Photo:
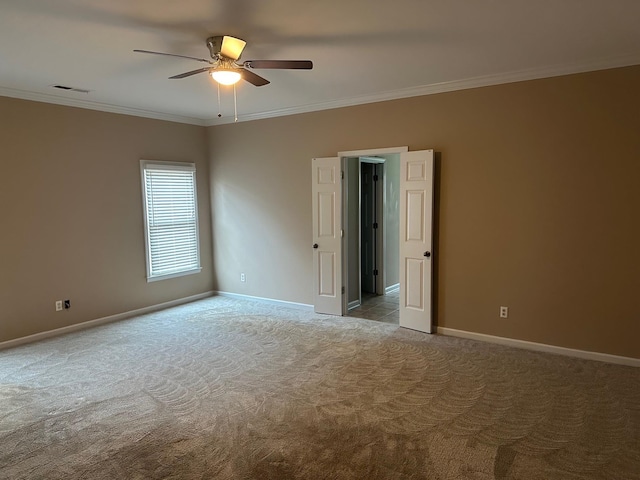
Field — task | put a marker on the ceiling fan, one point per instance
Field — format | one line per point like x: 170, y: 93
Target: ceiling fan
x: 224, y: 67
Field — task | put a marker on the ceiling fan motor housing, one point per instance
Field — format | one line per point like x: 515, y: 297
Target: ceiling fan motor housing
x: 215, y: 45
x: 225, y: 46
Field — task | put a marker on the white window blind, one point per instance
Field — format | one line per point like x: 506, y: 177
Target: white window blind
x: 171, y: 219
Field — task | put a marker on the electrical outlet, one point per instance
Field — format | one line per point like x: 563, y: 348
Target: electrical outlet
x: 243, y: 278
x: 504, y: 312
x: 58, y: 305
x: 67, y: 304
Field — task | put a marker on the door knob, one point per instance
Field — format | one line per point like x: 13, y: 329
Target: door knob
x: 427, y: 254
x: 315, y: 245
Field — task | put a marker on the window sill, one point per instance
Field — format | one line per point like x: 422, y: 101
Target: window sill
x: 155, y: 278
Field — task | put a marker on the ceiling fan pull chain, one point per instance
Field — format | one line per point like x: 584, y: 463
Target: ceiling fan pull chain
x: 235, y: 103
x: 219, y: 112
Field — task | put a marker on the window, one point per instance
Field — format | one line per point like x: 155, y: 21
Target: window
x: 171, y: 219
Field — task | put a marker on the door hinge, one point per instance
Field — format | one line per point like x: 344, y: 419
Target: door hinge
x: 342, y: 290
x: 375, y: 225
x: 375, y: 178
x: 342, y: 174
x: 375, y: 272
x: 341, y: 233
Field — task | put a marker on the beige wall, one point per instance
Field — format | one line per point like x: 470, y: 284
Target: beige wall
x: 538, y: 203
x: 537, y: 207
x: 72, y: 221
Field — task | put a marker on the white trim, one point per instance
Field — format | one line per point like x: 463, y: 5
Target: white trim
x: 443, y: 87
x: 101, y: 107
x: 541, y: 347
x: 392, y: 289
x: 372, y: 152
x: 369, y: 159
x: 281, y: 303
x: 101, y: 321
x: 155, y: 278
x: 353, y: 304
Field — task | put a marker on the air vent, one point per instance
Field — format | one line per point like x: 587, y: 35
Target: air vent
x: 73, y: 89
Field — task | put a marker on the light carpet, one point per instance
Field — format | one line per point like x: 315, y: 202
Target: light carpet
x: 234, y: 389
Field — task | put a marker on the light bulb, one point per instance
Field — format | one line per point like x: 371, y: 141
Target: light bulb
x: 226, y: 77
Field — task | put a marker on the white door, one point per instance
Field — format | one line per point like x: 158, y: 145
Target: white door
x: 416, y: 230
x: 327, y: 235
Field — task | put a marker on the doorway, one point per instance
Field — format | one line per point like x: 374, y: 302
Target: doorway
x: 371, y: 226
x: 332, y: 241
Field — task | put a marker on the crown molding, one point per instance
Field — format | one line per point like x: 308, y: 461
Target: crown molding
x: 102, y: 107
x: 442, y: 87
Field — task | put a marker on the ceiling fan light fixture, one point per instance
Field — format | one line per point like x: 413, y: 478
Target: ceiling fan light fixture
x: 232, y: 47
x: 226, y: 77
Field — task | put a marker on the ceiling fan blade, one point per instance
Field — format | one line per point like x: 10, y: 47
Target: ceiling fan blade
x: 287, y: 64
x: 174, y: 55
x: 254, y: 79
x: 188, y: 74
x: 232, y: 47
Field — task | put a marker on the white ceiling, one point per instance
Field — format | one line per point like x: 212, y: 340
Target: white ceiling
x: 363, y: 50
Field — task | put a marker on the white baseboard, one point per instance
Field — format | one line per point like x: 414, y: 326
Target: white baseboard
x: 101, y: 321
x: 392, y: 289
x: 541, y: 347
x: 281, y: 303
x: 354, y: 304
x: 511, y: 342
